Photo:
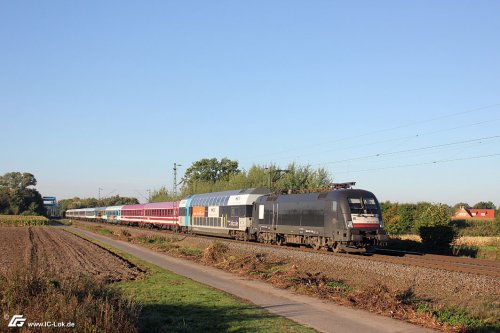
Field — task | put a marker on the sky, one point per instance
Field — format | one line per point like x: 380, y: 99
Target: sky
x: 402, y: 97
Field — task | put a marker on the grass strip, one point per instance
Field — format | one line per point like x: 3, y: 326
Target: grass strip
x: 173, y: 303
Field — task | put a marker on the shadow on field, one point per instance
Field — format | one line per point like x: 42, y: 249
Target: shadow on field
x: 196, y: 318
x: 404, y: 245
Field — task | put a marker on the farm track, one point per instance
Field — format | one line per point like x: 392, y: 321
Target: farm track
x: 442, y: 262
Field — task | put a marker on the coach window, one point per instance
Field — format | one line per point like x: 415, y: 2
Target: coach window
x: 234, y: 211
x: 249, y: 211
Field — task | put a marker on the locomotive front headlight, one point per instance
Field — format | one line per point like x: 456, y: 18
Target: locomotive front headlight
x: 349, y: 224
x: 381, y: 223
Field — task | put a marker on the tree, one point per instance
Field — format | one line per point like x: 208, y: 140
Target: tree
x: 434, y: 215
x: 461, y: 204
x: 407, y: 217
x: 76, y: 202
x: 162, y: 195
x: 391, y: 217
x: 301, y: 177
x: 17, y: 180
x: 16, y: 197
x: 210, y: 170
x: 484, y: 205
x: 434, y: 228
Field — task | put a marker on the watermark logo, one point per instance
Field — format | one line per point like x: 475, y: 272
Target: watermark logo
x: 17, y: 321
x: 20, y: 321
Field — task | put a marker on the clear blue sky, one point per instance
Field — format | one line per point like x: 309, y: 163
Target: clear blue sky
x: 111, y: 93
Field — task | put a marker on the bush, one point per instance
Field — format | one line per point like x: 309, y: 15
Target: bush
x: 437, y: 238
x: 215, y: 252
x: 433, y: 216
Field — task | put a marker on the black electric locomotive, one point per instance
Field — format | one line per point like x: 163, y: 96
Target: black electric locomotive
x: 336, y: 219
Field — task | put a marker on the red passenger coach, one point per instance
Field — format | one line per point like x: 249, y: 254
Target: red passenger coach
x: 132, y: 214
x: 162, y: 214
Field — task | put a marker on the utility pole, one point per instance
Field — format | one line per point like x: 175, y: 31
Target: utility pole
x: 149, y: 195
x: 275, y: 175
x: 99, y: 195
x: 175, y: 178
x: 269, y: 177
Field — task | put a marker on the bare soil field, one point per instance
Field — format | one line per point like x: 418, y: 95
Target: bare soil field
x: 61, y: 252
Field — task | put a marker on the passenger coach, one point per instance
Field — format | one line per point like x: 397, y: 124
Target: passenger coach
x: 227, y: 213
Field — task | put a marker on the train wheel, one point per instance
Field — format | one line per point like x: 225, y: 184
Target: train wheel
x: 316, y: 243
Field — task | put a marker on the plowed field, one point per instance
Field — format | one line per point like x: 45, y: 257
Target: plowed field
x: 61, y: 252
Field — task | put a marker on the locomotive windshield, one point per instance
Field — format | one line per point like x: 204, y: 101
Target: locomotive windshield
x: 363, y: 205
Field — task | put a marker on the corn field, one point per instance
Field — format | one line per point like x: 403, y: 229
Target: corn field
x: 22, y: 221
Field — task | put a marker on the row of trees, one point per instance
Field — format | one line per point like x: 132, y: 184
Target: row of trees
x: 402, y: 218
x: 479, y: 205
x: 17, y: 195
x: 212, y: 175
x: 76, y: 203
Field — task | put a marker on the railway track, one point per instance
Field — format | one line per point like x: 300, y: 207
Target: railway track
x: 448, y: 263
x: 457, y: 264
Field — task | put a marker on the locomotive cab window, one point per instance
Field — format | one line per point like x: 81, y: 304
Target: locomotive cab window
x: 370, y: 205
x: 355, y: 205
x: 363, y: 206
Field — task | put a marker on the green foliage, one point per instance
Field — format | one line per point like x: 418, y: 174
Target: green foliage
x: 210, y: 170
x: 484, y: 205
x: 433, y: 216
x: 483, y: 228
x: 301, y: 177
x: 17, y: 180
x: 162, y: 195
x: 76, y: 202
x: 339, y: 286
x: 391, y: 217
x: 459, y: 318
x: 203, y: 177
x: 461, y: 204
x: 433, y: 225
x: 401, y: 218
x: 437, y: 238
x: 15, y: 196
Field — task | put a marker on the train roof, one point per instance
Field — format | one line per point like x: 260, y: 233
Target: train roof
x: 224, y: 198
x: 138, y: 206
x: 161, y: 205
x: 332, y: 195
x: 109, y: 208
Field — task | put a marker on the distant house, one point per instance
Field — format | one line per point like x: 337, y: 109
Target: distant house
x: 473, y: 214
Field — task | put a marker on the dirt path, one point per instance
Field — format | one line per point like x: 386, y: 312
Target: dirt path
x: 61, y: 252
x: 325, y: 317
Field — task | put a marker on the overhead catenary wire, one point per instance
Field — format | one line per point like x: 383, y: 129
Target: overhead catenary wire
x: 403, y: 139
x: 409, y: 150
x: 409, y: 124
x: 420, y: 164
